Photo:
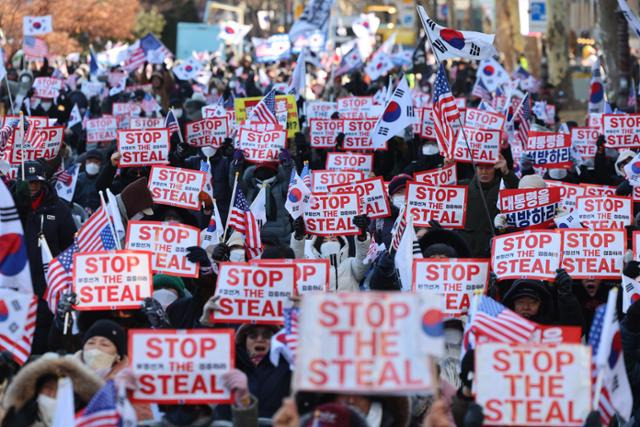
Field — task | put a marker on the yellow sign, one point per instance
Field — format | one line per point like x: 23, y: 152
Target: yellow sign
x: 286, y: 111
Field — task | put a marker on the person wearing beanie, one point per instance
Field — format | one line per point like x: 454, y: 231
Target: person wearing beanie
x: 104, y: 348
x: 167, y: 289
x: 86, y: 194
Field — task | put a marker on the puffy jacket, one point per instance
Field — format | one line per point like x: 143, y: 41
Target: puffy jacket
x: 350, y: 271
x: 86, y: 194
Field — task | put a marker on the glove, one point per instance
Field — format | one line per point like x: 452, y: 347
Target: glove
x: 155, y: 314
x: 197, y: 254
x: 65, y: 305
x: 22, y: 196
x: 624, y: 188
x: 298, y: 228
x: 632, y: 269
x: 593, y: 420
x: 236, y: 381
x: 435, y: 225
x: 220, y: 252
x: 563, y: 281
x: 474, y: 416
x: 632, y: 319
x: 182, y: 149
x: 340, y: 138
x: 362, y: 222
x: 500, y: 221
x: 284, y: 157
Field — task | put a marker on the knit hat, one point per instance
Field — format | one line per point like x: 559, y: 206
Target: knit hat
x: 526, y: 288
x: 398, y: 183
x: 441, y: 249
x: 333, y: 414
x: 94, y: 154
x: 110, y: 330
x: 164, y: 281
x: 532, y: 181
x: 137, y: 198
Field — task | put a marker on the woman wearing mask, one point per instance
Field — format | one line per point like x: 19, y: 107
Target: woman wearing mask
x: 86, y: 194
x: 104, y: 348
x: 30, y: 399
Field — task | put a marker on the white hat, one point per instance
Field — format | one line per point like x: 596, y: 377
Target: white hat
x: 532, y: 181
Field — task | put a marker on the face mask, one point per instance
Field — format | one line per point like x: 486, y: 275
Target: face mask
x: 329, y: 248
x: 429, y: 149
x: 557, y: 173
x: 208, y: 151
x: 46, y: 106
x: 236, y: 255
x: 165, y: 297
x: 46, y: 408
x: 98, y: 360
x: 92, y: 168
x: 177, y: 112
x: 398, y: 200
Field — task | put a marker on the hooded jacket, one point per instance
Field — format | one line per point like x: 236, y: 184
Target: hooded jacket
x: 350, y: 270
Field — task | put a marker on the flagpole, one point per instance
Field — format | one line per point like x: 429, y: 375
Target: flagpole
x: 111, y: 226
x: 233, y: 198
x: 422, y: 12
x: 21, y: 129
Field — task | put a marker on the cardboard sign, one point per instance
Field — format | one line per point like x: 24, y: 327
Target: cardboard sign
x: 209, y: 132
x: 357, y: 107
x: 593, y: 254
x: 445, y: 175
x: 47, y: 87
x: 176, y: 186
x: 598, y: 190
x: 604, y: 212
x: 350, y: 161
x: 549, y: 150
x: 365, y: 342
x: 483, y: 146
x: 532, y: 254
x: 552, y: 334
x: 372, y: 195
x: 183, y: 366
x: 125, y: 109
x: 36, y: 121
x: 332, y: 214
x: 312, y: 275
x: 38, y: 143
x: 481, y: 119
x: 114, y: 280
x: 324, y: 132
x: 321, y: 180
x: 251, y: 293
x: 357, y: 134
x: 143, y: 147
x: 167, y: 243
x: 455, y: 279
x: 427, y: 129
x: 621, y: 130
x: 446, y: 204
x: 320, y: 109
x: 529, y: 207
x: 286, y: 111
x: 584, y: 142
x: 146, y: 122
x: 261, y: 146
x: 101, y: 129
x: 533, y: 385
x: 568, y: 193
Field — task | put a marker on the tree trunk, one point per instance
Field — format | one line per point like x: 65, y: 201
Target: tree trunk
x: 558, y: 46
x: 610, y: 46
x: 508, y: 39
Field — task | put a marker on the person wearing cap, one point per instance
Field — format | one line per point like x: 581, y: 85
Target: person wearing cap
x: 41, y: 213
x: 478, y: 225
x: 86, y: 194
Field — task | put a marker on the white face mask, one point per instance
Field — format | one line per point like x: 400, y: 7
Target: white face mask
x: 329, y: 248
x: 46, y: 106
x: 92, y: 168
x: 99, y: 361
x: 398, y: 200
x: 208, y: 151
x: 46, y: 408
x: 429, y: 149
x: 236, y: 255
x: 177, y: 112
x: 558, y: 173
x: 165, y: 297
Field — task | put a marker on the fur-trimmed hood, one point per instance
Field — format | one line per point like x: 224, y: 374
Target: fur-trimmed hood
x: 22, y: 388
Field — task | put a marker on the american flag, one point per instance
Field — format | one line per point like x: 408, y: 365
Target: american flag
x: 291, y: 327
x: 101, y: 410
x: 306, y: 175
x: 34, y: 47
x: 136, y: 58
x: 445, y: 110
x: 605, y: 406
x: 498, y: 323
x: 265, y: 111
x: 243, y: 221
x: 172, y: 124
x: 59, y: 276
x: 480, y: 90
x: 524, y: 115
x: 95, y: 234
x: 65, y: 176
x: 5, y: 134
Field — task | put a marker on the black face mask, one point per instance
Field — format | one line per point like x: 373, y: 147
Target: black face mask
x: 265, y: 173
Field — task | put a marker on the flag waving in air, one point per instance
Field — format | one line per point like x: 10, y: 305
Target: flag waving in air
x: 397, y: 115
x: 297, y: 196
x: 36, y: 25
x: 449, y: 43
x: 265, y: 111
x: 445, y: 112
x: 596, y: 90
